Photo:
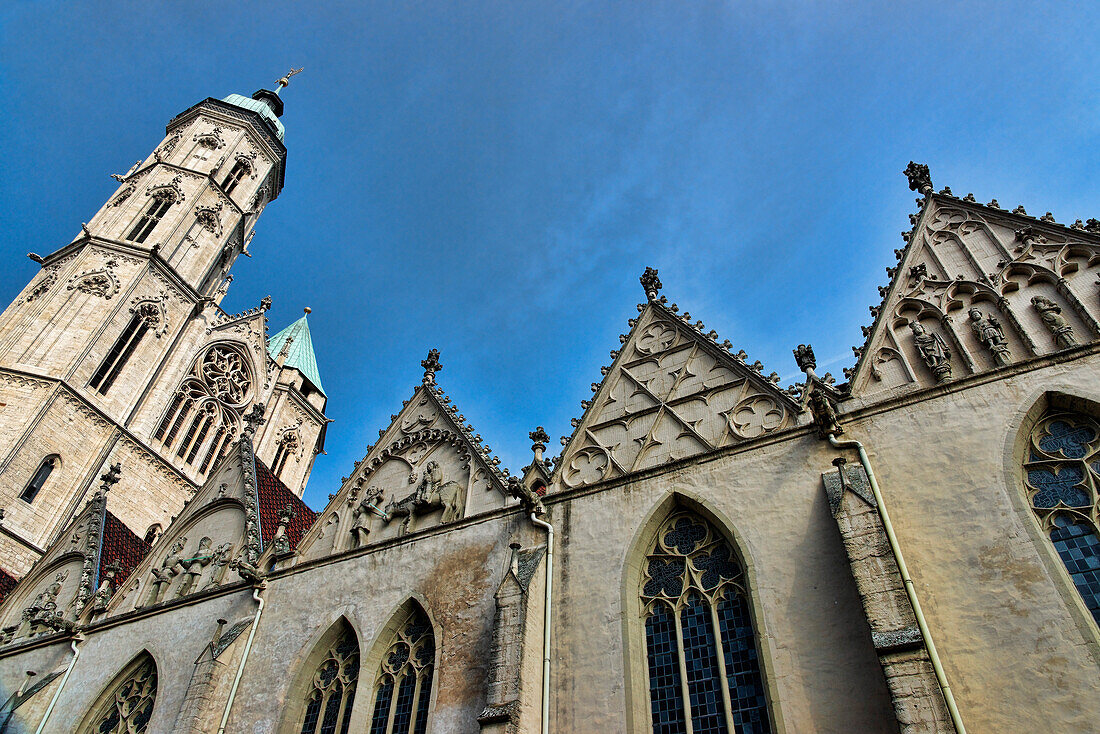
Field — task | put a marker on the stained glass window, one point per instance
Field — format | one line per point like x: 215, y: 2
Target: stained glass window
x: 332, y: 691
x: 700, y: 643
x: 403, y: 690
x: 128, y: 705
x: 1061, y: 477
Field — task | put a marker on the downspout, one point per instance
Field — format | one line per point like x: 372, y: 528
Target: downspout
x: 546, y: 617
x: 75, y: 645
x: 244, y: 657
x: 941, y: 677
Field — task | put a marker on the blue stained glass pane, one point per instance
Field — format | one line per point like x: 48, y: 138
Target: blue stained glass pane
x: 1071, y: 440
x: 666, y: 575
x: 665, y: 701
x: 381, y: 708
x: 1079, y: 548
x: 1058, y: 487
x: 313, y: 712
x: 422, y: 705
x: 717, y: 565
x: 349, y: 698
x: 404, y: 710
x: 701, y: 659
x: 747, y: 698
x: 685, y: 535
x: 332, y: 709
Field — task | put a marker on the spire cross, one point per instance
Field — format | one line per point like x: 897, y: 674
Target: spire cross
x: 285, y: 81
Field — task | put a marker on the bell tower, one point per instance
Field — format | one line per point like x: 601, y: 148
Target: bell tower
x: 102, y: 341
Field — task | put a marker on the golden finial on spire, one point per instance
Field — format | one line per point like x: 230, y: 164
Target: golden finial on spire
x: 285, y: 81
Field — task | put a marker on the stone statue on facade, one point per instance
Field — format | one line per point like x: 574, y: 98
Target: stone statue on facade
x: 431, y: 493
x: 824, y: 413
x: 1051, y: 314
x: 193, y: 567
x: 217, y: 565
x: 361, y: 515
x: 169, y: 567
x: 106, y: 589
x: 933, y: 350
x: 992, y: 336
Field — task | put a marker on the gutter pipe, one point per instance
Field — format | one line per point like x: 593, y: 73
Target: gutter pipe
x: 75, y: 645
x: 244, y: 658
x: 546, y: 618
x: 929, y: 645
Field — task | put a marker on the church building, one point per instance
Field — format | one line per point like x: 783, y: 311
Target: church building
x: 913, y: 550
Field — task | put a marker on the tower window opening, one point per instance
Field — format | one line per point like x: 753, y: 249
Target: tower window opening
x: 39, y: 479
x: 120, y: 354
x: 240, y: 170
x: 148, y: 221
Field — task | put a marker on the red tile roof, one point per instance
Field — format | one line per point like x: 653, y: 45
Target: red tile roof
x: 120, y: 543
x: 7, y: 583
x: 274, y: 496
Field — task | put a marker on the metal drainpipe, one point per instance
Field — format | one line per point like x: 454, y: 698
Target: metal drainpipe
x: 244, y: 657
x: 546, y: 617
x: 75, y: 645
x: 934, y: 656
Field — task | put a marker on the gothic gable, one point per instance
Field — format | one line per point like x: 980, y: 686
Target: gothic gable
x: 671, y: 392
x: 977, y: 288
x: 427, y: 468
x: 249, y: 327
x: 215, y: 540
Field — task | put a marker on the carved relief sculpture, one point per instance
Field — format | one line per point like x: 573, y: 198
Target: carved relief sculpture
x: 992, y: 336
x: 163, y: 576
x: 1051, y: 314
x: 361, y: 515
x: 933, y: 350
x: 194, y: 566
x: 217, y: 565
x: 431, y: 493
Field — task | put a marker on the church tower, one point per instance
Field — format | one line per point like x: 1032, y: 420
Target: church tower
x: 118, y: 350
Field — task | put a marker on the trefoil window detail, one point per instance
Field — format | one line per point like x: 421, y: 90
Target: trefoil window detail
x: 1061, y: 476
x: 702, y: 660
x: 403, y: 688
x: 39, y: 479
x: 128, y: 706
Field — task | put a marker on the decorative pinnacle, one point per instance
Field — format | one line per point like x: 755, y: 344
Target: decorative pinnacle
x: 540, y: 437
x: 286, y: 514
x: 265, y: 303
x: 111, y: 476
x: 285, y: 81
x: 253, y: 419
x: 651, y: 283
x: 805, y: 358
x: 919, y: 178
x: 431, y: 365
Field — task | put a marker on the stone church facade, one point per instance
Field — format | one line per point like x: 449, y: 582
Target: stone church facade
x: 913, y: 550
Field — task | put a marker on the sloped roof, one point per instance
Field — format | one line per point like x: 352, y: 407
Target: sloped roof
x: 7, y: 583
x: 274, y: 496
x: 299, y: 354
x: 122, y: 545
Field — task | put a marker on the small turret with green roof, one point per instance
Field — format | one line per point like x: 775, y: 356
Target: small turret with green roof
x: 293, y: 347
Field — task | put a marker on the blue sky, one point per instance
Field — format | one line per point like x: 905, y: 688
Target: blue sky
x: 490, y: 178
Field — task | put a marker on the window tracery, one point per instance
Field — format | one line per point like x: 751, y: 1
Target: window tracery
x: 1061, y: 476
x: 701, y: 653
x: 208, y: 405
x: 128, y: 707
x: 332, y: 691
x: 403, y: 689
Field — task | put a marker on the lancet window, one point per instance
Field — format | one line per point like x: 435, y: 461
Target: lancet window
x: 240, y: 170
x: 702, y: 660
x: 128, y: 705
x: 39, y: 479
x: 145, y: 315
x: 288, y: 446
x: 204, y: 416
x: 403, y: 688
x: 1062, y: 475
x: 150, y: 218
x: 332, y: 690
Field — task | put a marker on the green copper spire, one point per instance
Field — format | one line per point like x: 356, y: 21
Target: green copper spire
x: 298, y: 343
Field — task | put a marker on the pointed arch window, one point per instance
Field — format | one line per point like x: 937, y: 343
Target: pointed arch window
x: 240, y: 169
x: 403, y: 687
x: 1062, y: 476
x: 127, y: 705
x: 151, y: 217
x: 34, y: 486
x: 123, y: 349
x: 332, y: 689
x: 701, y: 654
